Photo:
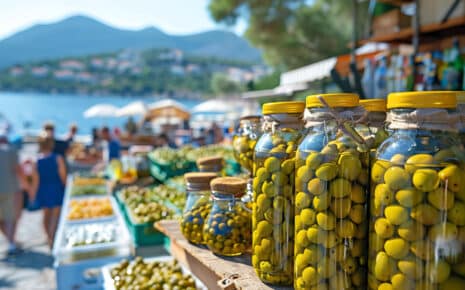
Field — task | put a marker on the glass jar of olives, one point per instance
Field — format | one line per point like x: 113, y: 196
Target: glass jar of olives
x: 211, y: 164
x: 228, y: 230
x: 273, y: 190
x: 244, y: 141
x: 376, y: 119
x: 461, y: 112
x: 197, y: 206
x: 331, y: 185
x: 417, y: 225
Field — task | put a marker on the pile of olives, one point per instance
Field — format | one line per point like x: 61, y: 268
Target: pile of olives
x: 330, y: 223
x: 228, y: 230
x: 151, y: 212
x: 273, y: 212
x: 151, y: 275
x: 194, y: 218
x: 243, y: 151
x: 417, y: 232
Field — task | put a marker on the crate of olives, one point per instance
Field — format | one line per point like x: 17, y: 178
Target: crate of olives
x: 141, y: 218
x: 154, y: 273
x: 94, y: 240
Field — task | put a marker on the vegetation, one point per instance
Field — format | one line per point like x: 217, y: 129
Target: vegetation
x: 154, y: 74
x: 292, y: 33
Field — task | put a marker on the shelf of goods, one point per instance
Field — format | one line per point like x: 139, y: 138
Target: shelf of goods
x: 215, y: 272
x: 90, y: 234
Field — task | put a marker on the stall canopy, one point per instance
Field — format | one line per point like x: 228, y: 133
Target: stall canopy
x: 101, y: 110
x: 300, y: 79
x: 213, y: 107
x: 232, y: 108
x: 167, y: 109
x: 137, y: 108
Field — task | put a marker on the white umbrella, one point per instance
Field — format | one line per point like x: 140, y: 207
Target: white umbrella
x: 101, y: 110
x: 136, y: 108
x: 213, y: 106
x: 167, y: 103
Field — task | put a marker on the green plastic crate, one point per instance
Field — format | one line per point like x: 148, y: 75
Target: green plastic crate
x: 144, y: 234
x: 162, y: 172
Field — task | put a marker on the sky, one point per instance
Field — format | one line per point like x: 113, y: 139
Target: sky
x: 171, y: 16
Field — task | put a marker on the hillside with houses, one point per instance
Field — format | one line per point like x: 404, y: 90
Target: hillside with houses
x: 129, y: 72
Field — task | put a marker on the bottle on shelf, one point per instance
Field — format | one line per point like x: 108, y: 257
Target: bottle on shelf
x: 367, y: 79
x: 380, y: 90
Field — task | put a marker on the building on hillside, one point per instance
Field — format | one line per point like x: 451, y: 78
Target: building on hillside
x: 177, y: 70
x: 85, y: 77
x: 175, y: 55
x: 16, y: 71
x: 64, y: 74
x: 72, y: 64
x: 39, y: 71
x: 97, y: 63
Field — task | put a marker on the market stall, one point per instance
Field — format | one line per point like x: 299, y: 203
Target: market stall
x: 90, y: 234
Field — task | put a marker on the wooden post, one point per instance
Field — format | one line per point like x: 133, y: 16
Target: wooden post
x: 416, y: 36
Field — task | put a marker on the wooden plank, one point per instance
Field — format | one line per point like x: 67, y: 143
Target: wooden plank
x: 211, y: 268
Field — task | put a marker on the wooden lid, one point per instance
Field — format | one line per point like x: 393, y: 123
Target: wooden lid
x: 229, y: 185
x: 200, y: 177
x: 210, y: 160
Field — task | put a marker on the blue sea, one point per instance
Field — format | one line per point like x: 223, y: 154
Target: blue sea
x: 26, y: 112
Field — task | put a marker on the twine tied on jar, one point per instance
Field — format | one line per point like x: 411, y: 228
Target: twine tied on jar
x: 274, y: 121
x: 345, y: 119
x: 425, y: 119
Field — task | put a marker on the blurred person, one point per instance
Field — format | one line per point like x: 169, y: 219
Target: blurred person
x: 10, y: 192
x: 217, y: 133
x: 61, y: 146
x: 111, y: 146
x: 73, y: 129
x: 48, y: 185
x: 130, y: 126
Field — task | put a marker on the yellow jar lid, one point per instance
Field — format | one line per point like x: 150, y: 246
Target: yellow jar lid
x: 333, y: 100
x: 422, y: 100
x: 283, y: 108
x: 374, y: 105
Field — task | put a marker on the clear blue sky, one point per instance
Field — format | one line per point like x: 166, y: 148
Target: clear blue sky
x: 172, y: 16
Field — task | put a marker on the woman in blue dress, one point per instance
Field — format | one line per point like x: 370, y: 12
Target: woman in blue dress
x: 48, y: 185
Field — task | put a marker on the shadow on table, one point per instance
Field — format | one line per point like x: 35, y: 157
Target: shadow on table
x: 29, y: 259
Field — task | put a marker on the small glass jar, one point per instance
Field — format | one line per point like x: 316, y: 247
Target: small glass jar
x: 244, y: 141
x: 273, y: 192
x: 417, y: 224
x: 211, y: 164
x: 228, y: 230
x: 461, y: 112
x: 376, y: 120
x: 331, y: 184
x: 197, y: 206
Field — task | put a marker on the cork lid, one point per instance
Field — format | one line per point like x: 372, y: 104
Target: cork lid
x: 210, y: 161
x: 229, y: 185
x: 200, y: 177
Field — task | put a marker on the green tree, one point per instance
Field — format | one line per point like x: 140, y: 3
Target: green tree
x: 222, y: 85
x: 292, y: 33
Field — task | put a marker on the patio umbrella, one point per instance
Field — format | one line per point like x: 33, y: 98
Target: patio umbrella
x: 167, y: 109
x: 213, y: 107
x: 101, y: 110
x: 137, y: 108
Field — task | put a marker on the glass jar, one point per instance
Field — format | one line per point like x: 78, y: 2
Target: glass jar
x: 211, y: 164
x: 244, y: 141
x: 228, y: 230
x: 461, y: 111
x: 331, y: 186
x: 417, y: 224
x: 273, y: 190
x: 197, y: 206
x: 376, y: 120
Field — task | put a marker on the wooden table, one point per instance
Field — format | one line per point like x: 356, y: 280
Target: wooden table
x: 211, y: 269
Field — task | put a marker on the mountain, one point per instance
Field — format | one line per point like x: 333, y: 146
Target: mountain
x: 81, y: 35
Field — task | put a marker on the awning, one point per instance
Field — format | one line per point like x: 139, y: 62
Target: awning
x: 297, y: 80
